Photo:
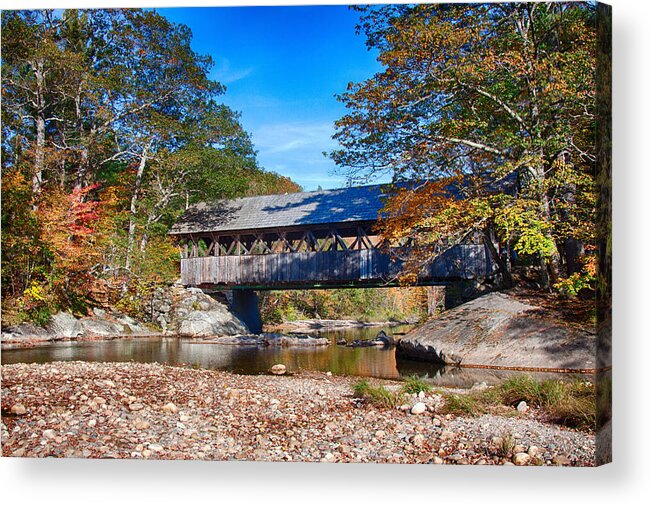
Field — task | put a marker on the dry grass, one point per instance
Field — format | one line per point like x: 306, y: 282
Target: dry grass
x: 570, y: 403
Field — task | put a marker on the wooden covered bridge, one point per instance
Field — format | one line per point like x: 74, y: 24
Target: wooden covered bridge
x: 322, y: 239
x: 303, y: 240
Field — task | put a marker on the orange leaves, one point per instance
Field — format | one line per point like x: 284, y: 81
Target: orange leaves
x: 69, y: 218
x: 407, y: 208
x: 69, y: 223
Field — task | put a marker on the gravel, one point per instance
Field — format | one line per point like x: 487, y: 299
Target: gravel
x: 152, y: 411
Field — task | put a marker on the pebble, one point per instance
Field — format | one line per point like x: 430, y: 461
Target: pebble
x: 418, y: 408
x: 18, y: 409
x: 560, y: 460
x: 533, y: 451
x: 522, y: 407
x: 141, y: 424
x: 225, y: 416
x: 418, y: 440
x: 170, y: 407
x: 278, y: 369
x: 521, y: 458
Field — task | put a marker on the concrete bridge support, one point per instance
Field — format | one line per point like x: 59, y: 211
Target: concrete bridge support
x: 245, y: 306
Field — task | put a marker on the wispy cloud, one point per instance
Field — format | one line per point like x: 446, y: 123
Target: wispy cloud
x: 227, y: 75
x: 287, y: 137
x: 295, y: 149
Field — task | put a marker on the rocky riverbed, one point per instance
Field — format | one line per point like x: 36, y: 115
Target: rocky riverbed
x: 316, y: 325
x: 151, y: 411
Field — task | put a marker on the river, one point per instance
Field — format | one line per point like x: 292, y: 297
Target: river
x: 372, y: 361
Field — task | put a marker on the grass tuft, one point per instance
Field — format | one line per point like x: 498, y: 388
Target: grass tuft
x: 506, y: 445
x: 415, y: 385
x: 464, y: 404
x: 570, y: 403
x: 377, y: 395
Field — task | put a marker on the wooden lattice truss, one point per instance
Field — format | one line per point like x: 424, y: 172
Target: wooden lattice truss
x: 320, y: 239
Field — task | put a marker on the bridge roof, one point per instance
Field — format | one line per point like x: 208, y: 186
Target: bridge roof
x: 357, y: 203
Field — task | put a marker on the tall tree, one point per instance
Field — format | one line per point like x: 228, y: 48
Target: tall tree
x: 110, y: 111
x: 473, y: 96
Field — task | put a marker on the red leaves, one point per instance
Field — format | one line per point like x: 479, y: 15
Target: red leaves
x: 82, y: 214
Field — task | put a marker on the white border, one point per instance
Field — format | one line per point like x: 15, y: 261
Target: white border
x: 626, y: 481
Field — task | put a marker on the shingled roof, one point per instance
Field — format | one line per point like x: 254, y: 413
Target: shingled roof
x: 358, y: 203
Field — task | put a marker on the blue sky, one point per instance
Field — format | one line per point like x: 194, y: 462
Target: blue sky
x: 282, y: 67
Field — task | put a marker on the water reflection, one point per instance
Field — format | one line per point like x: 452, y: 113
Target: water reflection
x: 372, y: 361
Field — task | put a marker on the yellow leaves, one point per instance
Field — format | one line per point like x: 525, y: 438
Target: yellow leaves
x: 34, y: 292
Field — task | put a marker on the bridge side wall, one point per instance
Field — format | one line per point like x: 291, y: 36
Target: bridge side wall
x: 310, y: 268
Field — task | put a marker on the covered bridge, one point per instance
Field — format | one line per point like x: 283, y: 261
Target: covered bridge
x: 321, y: 239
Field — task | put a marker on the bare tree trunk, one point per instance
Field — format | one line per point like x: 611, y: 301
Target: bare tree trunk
x: 81, y: 178
x: 502, y: 265
x: 133, y: 207
x: 39, y: 158
x: 144, y: 241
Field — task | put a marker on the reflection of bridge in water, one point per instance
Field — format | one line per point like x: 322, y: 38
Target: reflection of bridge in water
x: 321, y: 239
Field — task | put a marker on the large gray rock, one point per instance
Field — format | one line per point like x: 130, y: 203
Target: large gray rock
x: 195, y: 313
x: 101, y: 328
x: 64, y: 324
x: 211, y: 323
x: 25, y: 332
x: 501, y: 329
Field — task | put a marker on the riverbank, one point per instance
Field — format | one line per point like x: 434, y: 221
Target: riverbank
x: 130, y: 410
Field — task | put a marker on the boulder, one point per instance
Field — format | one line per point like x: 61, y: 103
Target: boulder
x: 211, y: 323
x: 64, y: 325
x: 25, y: 332
x: 385, y: 339
x: 101, y: 328
x: 501, y: 329
x: 194, y: 313
x: 278, y: 369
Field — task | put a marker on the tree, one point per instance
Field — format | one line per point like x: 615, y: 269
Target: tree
x: 474, y: 96
x: 109, y: 110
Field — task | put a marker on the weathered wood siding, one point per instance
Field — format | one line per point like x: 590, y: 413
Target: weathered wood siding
x: 308, y: 268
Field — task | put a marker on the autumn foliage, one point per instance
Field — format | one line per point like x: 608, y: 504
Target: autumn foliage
x: 99, y: 160
x: 489, y: 111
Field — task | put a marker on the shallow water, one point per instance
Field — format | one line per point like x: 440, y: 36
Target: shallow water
x: 372, y: 361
